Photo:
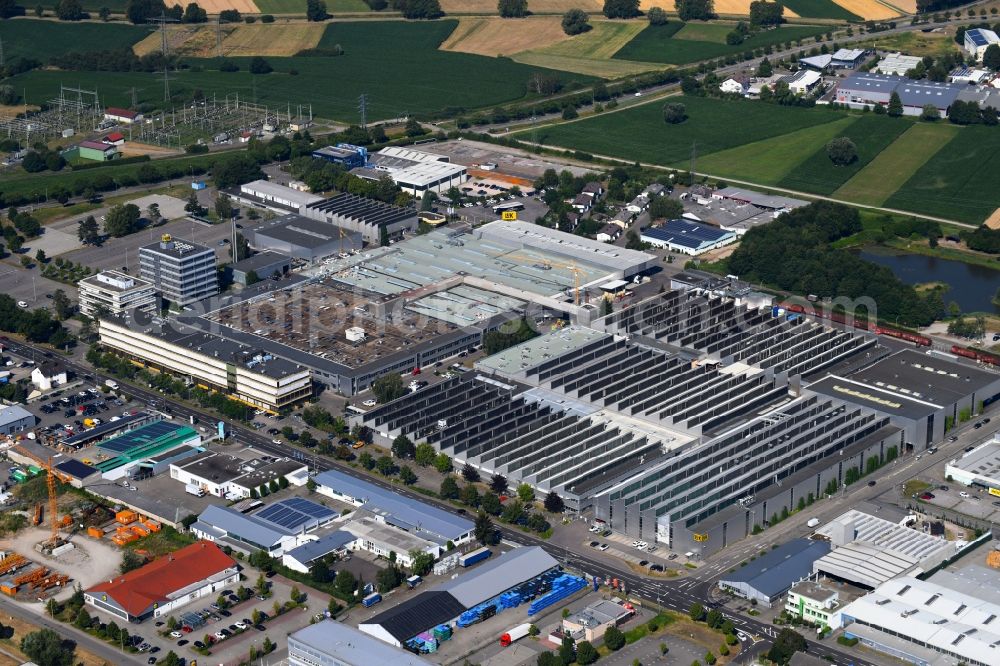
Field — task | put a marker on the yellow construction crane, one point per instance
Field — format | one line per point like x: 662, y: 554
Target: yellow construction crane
x: 546, y: 261
x: 50, y: 481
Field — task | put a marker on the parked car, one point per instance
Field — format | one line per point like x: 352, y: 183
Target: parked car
x: 602, y: 547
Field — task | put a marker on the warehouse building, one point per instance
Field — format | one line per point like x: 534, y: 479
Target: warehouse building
x: 446, y: 602
x: 848, y: 58
x: 165, y: 584
x: 897, y: 64
x: 365, y: 216
x: 920, y: 393
x: 183, y: 272
x: 346, y: 155
x: 770, y: 576
x: 303, y: 238
x: 980, y: 467
x: 948, y: 618
x: 233, y: 477
x: 260, y: 266
x: 276, y: 529
x: 128, y: 454
x: 115, y: 293
x: 244, y: 373
x: 414, y: 171
x: 687, y: 237
x: 303, y: 557
x: 868, y: 550
x: 279, y: 198
x: 330, y: 643
x: 15, y: 419
x: 977, y: 40
x: 867, y: 89
x: 419, y: 518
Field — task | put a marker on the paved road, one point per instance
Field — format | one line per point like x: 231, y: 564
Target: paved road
x: 675, y: 594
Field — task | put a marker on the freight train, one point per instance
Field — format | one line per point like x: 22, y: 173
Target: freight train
x: 863, y: 324
x: 976, y: 354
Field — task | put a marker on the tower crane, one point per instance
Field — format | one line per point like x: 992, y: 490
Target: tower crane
x: 50, y: 481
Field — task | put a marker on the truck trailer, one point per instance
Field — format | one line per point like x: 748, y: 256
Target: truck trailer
x: 517, y: 633
x: 479, y: 555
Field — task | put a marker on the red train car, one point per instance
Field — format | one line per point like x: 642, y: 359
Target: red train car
x: 976, y: 354
x: 862, y: 324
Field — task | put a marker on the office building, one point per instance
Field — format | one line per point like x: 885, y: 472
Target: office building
x: 115, y: 293
x: 183, y: 272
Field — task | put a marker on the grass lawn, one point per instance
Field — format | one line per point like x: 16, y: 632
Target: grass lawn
x: 825, y: 9
x: 23, y: 38
x: 396, y: 79
x: 640, y: 134
x: 918, y: 44
x: 335, y: 6
x: 959, y: 181
x: 885, y: 174
x: 770, y: 160
x: 667, y: 44
x: 870, y: 133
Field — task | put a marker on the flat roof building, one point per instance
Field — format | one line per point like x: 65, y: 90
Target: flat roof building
x: 981, y: 467
x: 227, y: 475
x: 767, y: 578
x: 166, y: 583
x: 300, y: 237
x: 344, y: 154
x: 848, y: 58
x: 868, y: 89
x: 590, y: 623
x: 182, y: 271
x: 302, y: 558
x: 330, y: 643
x: 273, y: 196
x: 687, y: 237
x: 240, y: 371
x: 897, y: 64
x: 128, y: 451
x: 261, y: 265
x: 244, y: 532
x: 414, y: 171
x: 116, y: 293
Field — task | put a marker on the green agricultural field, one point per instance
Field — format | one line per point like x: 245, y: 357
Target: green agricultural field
x: 769, y: 161
x: 885, y: 174
x: 342, y: 6
x: 824, y: 9
x: 29, y: 38
x: 669, y: 45
x: 289, y: 6
x: 959, y: 182
x: 395, y: 79
x: 94, y: 6
x: 713, y: 125
x: 871, y: 134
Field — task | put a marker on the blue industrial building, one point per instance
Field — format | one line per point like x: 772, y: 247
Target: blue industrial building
x: 687, y: 237
x: 768, y: 577
x: 347, y: 155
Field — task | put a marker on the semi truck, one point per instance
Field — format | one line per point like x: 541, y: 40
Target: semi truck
x: 371, y: 600
x: 517, y: 633
x: 194, y: 489
x: 479, y: 555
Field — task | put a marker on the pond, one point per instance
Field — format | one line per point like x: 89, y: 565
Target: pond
x: 971, y: 286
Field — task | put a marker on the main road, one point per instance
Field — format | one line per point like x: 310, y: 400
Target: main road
x: 677, y: 594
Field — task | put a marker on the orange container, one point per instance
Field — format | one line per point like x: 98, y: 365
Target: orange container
x: 140, y: 530
x: 8, y: 588
x: 152, y: 525
x: 126, y: 516
x: 95, y: 532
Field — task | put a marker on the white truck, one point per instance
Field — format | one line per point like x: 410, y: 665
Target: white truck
x: 194, y: 489
x: 517, y: 633
x: 813, y: 522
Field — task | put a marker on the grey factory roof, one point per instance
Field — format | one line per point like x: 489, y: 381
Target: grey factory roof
x: 983, y: 462
x: 819, y: 61
x: 686, y: 233
x: 176, y: 248
x: 465, y: 305
x: 868, y: 82
x: 880, y: 398
x: 499, y: 575
x: 306, y: 232
x: 268, y: 190
x: 775, y: 572
x: 432, y: 257
x: 919, y: 93
x: 848, y: 55
x: 175, y: 332
x: 931, y: 378
x: 261, y: 260
x: 409, y: 169
x: 349, y: 646
x: 417, y: 614
x: 545, y: 239
x: 880, y: 549
x: 534, y: 352
x: 760, y: 199
x: 369, y: 211
x: 14, y: 413
x: 328, y: 543
x: 399, y: 510
x: 956, y: 622
x: 897, y: 63
x: 222, y: 520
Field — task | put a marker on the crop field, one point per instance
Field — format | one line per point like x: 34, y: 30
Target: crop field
x: 713, y: 125
x: 871, y: 134
x: 894, y: 166
x: 485, y: 7
x: 591, y: 53
x: 495, y: 36
x: 338, y: 6
x: 273, y: 39
x: 959, y: 181
x: 23, y: 38
x: 770, y: 160
x: 216, y: 6
x: 822, y: 9
x: 394, y: 79
x: 871, y: 10
x: 667, y: 44
x: 286, y: 6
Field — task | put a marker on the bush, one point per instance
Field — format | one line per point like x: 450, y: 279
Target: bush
x: 575, y: 22
x: 266, y: 18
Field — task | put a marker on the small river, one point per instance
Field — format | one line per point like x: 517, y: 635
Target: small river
x: 971, y: 286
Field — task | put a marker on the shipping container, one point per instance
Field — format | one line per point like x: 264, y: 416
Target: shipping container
x: 475, y: 556
x: 371, y: 600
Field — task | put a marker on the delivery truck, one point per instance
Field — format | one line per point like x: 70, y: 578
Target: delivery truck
x: 517, y: 633
x: 194, y: 489
x: 371, y: 600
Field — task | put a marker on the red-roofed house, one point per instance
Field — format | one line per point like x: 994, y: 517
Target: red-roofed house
x: 122, y: 115
x: 166, y: 583
x: 114, y: 139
